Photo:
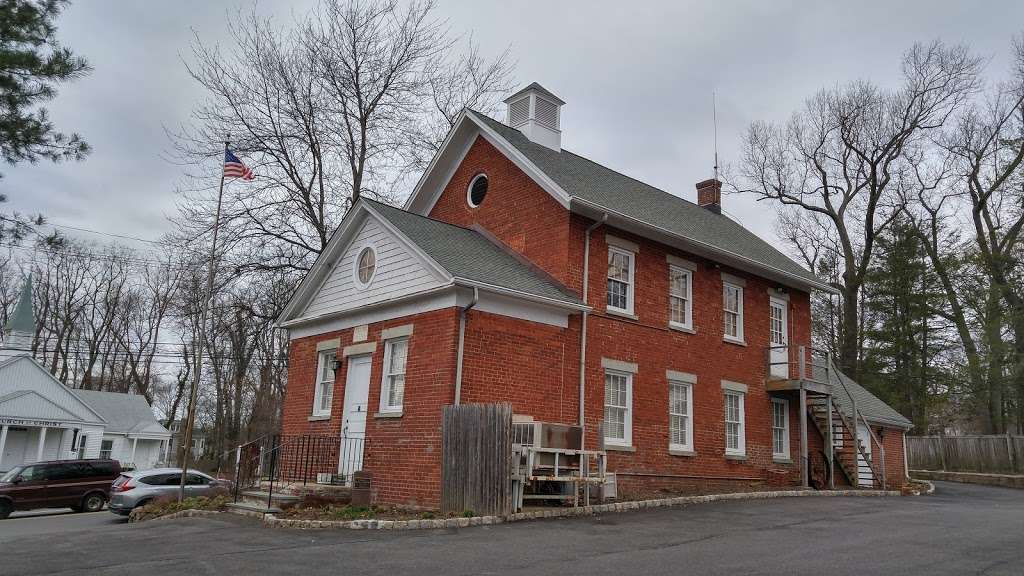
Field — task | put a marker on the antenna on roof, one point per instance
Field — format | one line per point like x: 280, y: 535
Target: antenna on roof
x: 714, y: 116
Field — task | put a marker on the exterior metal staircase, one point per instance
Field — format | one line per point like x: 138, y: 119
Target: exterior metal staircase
x: 812, y: 372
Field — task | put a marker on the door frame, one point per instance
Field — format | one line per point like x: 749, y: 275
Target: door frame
x: 780, y: 370
x: 343, y: 456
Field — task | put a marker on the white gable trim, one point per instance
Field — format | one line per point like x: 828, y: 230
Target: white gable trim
x: 332, y: 254
x: 426, y: 193
x: 99, y: 420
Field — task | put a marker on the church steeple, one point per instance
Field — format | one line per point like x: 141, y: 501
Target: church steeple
x: 21, y: 326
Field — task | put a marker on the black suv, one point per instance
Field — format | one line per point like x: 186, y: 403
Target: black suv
x: 82, y: 485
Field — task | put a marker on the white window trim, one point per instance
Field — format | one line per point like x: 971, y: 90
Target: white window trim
x: 741, y: 443
x: 630, y: 286
x: 688, y: 447
x: 359, y: 284
x: 383, y: 407
x: 739, y: 338
x: 784, y: 455
x: 469, y: 189
x: 322, y: 357
x: 688, y: 325
x: 627, y: 429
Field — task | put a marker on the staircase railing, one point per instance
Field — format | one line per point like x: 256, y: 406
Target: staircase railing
x: 858, y: 417
x: 275, y: 459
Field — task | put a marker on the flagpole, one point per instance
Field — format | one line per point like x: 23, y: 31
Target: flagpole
x: 201, y: 344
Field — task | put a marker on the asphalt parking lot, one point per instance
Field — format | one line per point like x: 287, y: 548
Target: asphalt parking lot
x: 962, y: 529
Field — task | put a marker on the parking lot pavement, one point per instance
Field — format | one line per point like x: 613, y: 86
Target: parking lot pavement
x: 54, y: 521
x: 962, y: 529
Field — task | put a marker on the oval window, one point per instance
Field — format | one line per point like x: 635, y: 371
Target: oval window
x: 366, y: 265
x: 477, y: 190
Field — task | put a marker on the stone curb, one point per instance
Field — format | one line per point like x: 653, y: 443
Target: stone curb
x: 433, y: 524
x: 181, y: 514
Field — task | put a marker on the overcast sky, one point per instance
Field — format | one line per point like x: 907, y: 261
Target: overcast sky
x: 637, y: 78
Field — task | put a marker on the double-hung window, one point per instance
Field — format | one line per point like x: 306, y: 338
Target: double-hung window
x: 680, y: 301
x: 735, y: 443
x: 620, y: 280
x: 618, y: 412
x: 780, y: 428
x: 323, y: 395
x: 392, y: 389
x: 680, y: 415
x: 106, y: 449
x: 732, y: 307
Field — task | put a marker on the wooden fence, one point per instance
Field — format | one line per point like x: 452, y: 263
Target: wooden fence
x: 476, y: 459
x: 990, y: 454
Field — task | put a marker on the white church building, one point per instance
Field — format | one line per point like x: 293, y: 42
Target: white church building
x: 42, y: 419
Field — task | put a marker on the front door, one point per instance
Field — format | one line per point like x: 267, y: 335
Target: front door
x: 778, y: 338
x: 353, y: 424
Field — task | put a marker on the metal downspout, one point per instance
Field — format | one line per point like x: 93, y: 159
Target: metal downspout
x: 583, y: 320
x: 462, y: 344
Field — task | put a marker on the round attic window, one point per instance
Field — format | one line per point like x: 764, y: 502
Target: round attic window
x: 366, y: 265
x: 477, y: 190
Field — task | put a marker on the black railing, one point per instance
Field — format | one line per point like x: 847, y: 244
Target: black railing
x: 295, y: 459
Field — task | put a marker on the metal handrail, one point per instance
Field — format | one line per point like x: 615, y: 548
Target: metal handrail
x: 856, y: 436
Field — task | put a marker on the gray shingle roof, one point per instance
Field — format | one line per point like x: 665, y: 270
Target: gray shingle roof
x: 124, y: 413
x: 467, y: 254
x: 538, y: 88
x: 873, y: 408
x: 604, y: 187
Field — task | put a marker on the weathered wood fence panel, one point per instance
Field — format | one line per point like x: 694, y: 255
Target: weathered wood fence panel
x: 995, y: 454
x: 476, y: 459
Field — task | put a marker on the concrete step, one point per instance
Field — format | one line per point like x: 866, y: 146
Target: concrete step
x: 251, y: 509
x: 261, y: 495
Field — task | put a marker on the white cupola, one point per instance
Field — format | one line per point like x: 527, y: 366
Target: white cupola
x: 536, y: 113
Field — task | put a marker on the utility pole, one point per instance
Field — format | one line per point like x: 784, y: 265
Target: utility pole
x: 201, y: 344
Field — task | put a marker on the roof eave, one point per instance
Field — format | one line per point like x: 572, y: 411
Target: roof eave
x: 564, y: 304
x: 711, y: 251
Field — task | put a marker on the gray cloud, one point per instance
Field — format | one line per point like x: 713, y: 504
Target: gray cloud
x: 637, y: 78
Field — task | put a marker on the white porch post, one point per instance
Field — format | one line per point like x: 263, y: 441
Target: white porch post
x: 42, y: 444
x: 135, y: 444
x: 3, y: 442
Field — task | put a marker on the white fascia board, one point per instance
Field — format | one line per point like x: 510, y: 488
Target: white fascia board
x: 522, y: 295
x: 455, y: 147
x: 620, y: 220
x: 335, y: 249
x: 425, y: 301
x: 322, y: 266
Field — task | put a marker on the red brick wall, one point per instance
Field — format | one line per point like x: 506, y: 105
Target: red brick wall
x: 649, y: 343
x: 402, y: 453
x: 892, y: 439
x: 516, y: 210
x: 533, y: 366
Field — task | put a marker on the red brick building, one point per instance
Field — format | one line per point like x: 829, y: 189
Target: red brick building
x: 520, y: 272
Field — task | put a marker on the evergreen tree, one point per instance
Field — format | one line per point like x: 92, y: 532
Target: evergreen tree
x: 32, y: 63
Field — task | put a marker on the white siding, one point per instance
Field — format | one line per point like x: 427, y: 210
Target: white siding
x: 52, y: 400
x: 399, y: 273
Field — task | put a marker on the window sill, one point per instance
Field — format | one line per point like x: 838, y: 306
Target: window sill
x: 679, y: 328
x: 781, y: 460
x: 735, y: 341
x: 319, y: 418
x: 737, y: 457
x: 678, y: 452
x: 621, y: 314
x: 388, y: 415
x: 617, y: 448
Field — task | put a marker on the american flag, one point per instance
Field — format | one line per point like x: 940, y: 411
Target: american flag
x: 234, y: 168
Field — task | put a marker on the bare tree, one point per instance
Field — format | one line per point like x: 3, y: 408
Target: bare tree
x: 841, y: 156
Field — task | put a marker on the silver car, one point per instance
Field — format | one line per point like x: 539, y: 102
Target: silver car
x: 137, y: 488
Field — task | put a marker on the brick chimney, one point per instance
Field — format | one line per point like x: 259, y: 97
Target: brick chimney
x: 709, y: 195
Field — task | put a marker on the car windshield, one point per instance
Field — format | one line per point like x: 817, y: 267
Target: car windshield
x: 11, y: 474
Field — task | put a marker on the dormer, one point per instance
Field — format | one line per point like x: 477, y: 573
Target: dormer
x: 536, y: 113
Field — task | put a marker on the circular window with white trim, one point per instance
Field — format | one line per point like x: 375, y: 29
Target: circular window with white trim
x: 477, y: 190
x: 366, y: 266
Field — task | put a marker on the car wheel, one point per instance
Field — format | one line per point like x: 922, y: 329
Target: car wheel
x: 93, y: 503
x: 5, y: 509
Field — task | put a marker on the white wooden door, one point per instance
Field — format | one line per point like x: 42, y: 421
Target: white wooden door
x: 778, y: 336
x: 864, y: 476
x: 353, y: 425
